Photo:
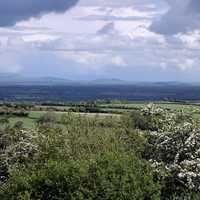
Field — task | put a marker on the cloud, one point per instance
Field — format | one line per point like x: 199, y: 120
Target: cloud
x: 120, y: 14
x: 118, y: 61
x: 183, y: 16
x: 141, y: 56
x: 110, y: 3
x: 109, y: 45
x: 109, y: 28
x: 12, y: 12
x: 194, y: 6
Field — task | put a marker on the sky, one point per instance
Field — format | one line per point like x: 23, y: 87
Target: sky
x: 148, y: 40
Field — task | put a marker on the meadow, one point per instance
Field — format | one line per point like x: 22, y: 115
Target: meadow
x: 101, y: 109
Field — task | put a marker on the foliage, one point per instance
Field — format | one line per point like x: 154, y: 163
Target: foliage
x: 13, y: 111
x: 107, y: 177
x: 80, y: 158
x: 48, y: 118
x: 174, y: 151
x: 152, y: 153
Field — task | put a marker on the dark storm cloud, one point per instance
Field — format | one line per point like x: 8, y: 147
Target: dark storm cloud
x: 183, y: 16
x: 13, y: 11
x: 194, y: 6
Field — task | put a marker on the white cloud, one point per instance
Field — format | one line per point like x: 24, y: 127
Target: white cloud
x: 183, y: 16
x: 118, y: 61
x: 105, y: 45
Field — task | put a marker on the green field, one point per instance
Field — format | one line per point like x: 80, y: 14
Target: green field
x: 30, y: 121
x: 186, y: 108
x: 106, y: 110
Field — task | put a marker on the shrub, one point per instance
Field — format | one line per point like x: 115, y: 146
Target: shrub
x: 174, y: 151
x: 48, y: 118
x: 109, y: 177
x: 150, y: 118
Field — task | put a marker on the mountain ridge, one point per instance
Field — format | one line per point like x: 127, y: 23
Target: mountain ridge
x: 17, y: 79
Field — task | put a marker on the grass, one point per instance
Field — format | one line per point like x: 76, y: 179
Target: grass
x: 170, y: 106
x: 29, y: 122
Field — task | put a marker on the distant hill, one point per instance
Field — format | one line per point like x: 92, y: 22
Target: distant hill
x: 109, y: 82
x: 15, y: 79
x: 8, y: 79
x: 161, y: 84
x: 52, y: 81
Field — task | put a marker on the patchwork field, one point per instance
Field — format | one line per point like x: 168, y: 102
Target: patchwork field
x: 114, y: 109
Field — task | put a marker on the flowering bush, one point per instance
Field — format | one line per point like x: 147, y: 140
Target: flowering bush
x: 78, y: 159
x: 174, y: 151
x: 152, y: 154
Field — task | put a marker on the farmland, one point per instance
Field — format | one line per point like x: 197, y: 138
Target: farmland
x: 99, y: 108
x: 133, y: 92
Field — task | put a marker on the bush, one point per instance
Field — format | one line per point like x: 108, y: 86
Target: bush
x: 109, y: 177
x: 152, y: 154
x: 174, y: 151
x: 48, y: 118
